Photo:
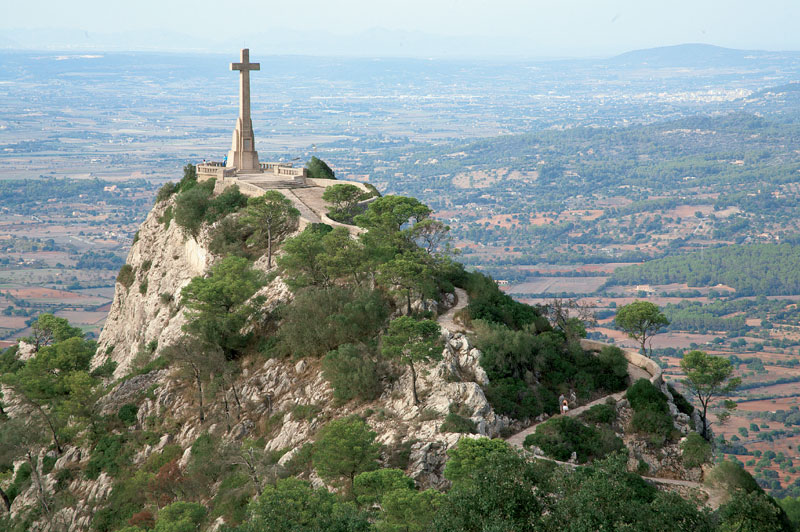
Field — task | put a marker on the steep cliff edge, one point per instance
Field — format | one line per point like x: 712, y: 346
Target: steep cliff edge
x: 163, y: 259
x: 175, y: 430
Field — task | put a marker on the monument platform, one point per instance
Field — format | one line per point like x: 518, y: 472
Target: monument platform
x: 271, y: 175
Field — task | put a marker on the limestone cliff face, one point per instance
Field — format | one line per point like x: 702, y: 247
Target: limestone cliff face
x: 164, y: 260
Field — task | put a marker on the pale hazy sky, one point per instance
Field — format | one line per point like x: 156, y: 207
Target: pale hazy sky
x: 556, y: 27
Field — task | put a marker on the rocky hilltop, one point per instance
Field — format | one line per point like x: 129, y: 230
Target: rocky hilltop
x: 345, y: 376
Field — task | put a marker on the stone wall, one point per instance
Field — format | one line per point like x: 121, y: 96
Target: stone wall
x: 632, y: 356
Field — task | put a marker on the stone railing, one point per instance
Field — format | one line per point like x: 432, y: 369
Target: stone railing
x: 213, y: 169
x: 270, y: 167
x: 291, y: 172
x: 633, y: 357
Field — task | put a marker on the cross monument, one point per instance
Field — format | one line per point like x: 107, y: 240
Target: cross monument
x: 243, y: 155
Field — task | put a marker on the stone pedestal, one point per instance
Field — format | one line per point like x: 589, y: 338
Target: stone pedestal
x: 243, y: 155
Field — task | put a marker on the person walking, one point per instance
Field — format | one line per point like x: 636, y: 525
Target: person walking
x: 564, y: 407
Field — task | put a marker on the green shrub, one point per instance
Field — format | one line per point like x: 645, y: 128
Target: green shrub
x: 305, y: 412
x: 189, y: 179
x: 373, y: 192
x: 319, y: 320
x: 352, y: 373
x: 63, y: 477
x: 166, y: 298
x: 20, y: 482
x: 611, y: 372
x: 230, y: 237
x: 651, y: 411
x: 319, y: 169
x: 166, y: 190
x: 106, y: 369
x: 731, y: 477
x: 146, y: 265
x: 191, y: 206
x: 126, y: 275
x: 511, y: 358
x: 107, y: 456
x: 48, y: 462
x: 127, y: 414
x: 204, y: 464
x: 232, y: 497
x: 643, y: 395
x: 455, y: 423
x: 229, y: 201
x: 180, y: 517
x: 601, y: 414
x: 143, y: 287
x: 166, y: 218
x: 560, y: 436
x: 695, y: 450
x: 487, y: 302
x: 656, y: 423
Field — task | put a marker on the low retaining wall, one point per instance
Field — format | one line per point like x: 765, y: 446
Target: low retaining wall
x: 325, y: 183
x: 632, y: 357
x: 248, y: 189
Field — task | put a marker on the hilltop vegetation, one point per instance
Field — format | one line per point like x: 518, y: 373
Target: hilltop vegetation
x: 360, y: 315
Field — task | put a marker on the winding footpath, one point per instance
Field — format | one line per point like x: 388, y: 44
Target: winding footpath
x: 639, y: 367
x: 447, y: 320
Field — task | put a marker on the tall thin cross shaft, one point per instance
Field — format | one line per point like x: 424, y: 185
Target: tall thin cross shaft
x: 244, y: 82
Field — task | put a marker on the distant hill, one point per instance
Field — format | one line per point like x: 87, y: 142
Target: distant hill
x: 698, y: 55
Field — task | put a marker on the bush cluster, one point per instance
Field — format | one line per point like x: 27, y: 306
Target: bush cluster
x: 456, y: 423
x: 650, y: 411
x: 604, y: 414
x: 126, y: 276
x: 196, y: 205
x: 695, y: 450
x: 528, y: 370
x: 352, y: 372
x: 561, y: 436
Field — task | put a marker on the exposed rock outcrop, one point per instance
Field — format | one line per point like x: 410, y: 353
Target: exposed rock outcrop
x: 164, y: 260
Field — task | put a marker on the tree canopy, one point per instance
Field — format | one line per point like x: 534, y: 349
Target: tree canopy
x: 640, y: 320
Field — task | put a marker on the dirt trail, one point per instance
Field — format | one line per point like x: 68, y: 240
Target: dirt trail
x: 447, y: 320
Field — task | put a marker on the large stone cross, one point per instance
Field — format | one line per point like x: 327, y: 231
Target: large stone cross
x: 243, y: 155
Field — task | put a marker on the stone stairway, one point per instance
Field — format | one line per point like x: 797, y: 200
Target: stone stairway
x: 271, y: 184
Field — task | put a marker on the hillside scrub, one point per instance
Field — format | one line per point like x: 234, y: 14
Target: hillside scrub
x: 352, y: 372
x: 561, y: 436
x: 350, y: 307
x: 695, y: 450
x: 650, y: 411
x: 528, y: 370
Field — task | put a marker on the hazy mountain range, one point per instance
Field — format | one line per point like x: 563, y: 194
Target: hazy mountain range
x: 376, y: 42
